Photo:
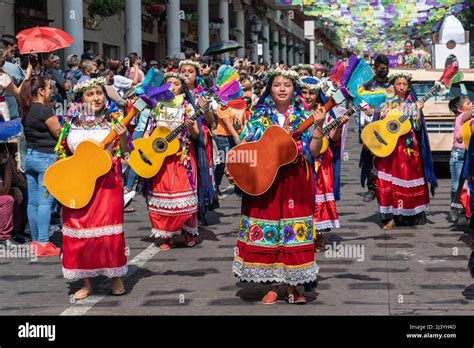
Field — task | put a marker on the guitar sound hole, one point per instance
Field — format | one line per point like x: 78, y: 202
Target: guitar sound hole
x: 393, y: 127
x: 160, y: 145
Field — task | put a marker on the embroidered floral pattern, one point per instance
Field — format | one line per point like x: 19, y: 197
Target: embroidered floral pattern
x: 255, y: 233
x: 288, y: 233
x: 270, y: 233
x: 274, y: 233
x: 300, y: 231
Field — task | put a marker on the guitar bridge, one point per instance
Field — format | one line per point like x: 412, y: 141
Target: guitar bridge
x: 379, y: 138
x: 144, y: 157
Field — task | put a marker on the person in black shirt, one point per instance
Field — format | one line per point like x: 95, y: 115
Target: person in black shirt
x: 380, y: 80
x: 41, y: 128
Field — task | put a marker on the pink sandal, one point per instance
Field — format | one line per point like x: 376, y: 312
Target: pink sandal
x: 270, y: 298
x: 168, y: 244
x: 189, y: 239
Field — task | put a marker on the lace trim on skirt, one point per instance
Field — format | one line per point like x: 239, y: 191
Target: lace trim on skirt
x: 404, y: 212
x: 276, y: 274
x: 90, y: 273
x: 94, y: 232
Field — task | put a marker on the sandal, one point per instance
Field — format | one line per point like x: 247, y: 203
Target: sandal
x: 129, y: 210
x: 189, y: 240
x: 295, y: 297
x: 120, y: 291
x: 389, y: 225
x: 168, y: 244
x: 82, y: 293
x: 270, y: 298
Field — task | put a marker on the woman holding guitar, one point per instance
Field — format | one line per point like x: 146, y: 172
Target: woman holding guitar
x: 93, y: 241
x: 173, y: 200
x: 207, y: 195
x: 275, y: 243
x: 325, y: 214
x: 401, y: 188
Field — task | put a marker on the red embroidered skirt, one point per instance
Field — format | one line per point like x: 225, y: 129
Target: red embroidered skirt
x: 93, y: 241
x: 173, y: 202
x: 400, y: 185
x: 275, y: 242
x: 325, y: 214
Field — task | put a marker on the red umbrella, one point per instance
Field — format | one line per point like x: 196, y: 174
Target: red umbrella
x: 42, y: 39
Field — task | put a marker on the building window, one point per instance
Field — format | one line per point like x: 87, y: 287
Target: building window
x: 93, y: 46
x: 32, y: 8
x: 30, y: 13
x: 111, y: 51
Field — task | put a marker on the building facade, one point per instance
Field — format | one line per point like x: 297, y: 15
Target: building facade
x: 268, y: 33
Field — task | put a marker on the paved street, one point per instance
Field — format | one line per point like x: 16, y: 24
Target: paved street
x: 408, y: 271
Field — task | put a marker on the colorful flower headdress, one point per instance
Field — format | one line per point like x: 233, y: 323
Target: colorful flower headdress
x: 311, y: 84
x: 395, y: 76
x: 289, y: 74
x: 88, y: 84
x: 175, y: 75
x: 302, y: 67
x: 192, y: 63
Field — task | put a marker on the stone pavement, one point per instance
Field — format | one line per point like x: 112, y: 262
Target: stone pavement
x: 407, y: 271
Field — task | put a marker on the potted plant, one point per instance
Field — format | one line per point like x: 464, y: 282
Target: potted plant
x: 106, y: 8
x: 235, y: 31
x: 155, y: 8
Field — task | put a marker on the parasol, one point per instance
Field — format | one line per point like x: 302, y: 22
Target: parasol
x: 42, y: 39
x: 222, y: 47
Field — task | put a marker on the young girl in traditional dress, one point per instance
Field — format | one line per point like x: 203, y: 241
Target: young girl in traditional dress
x: 325, y: 213
x: 173, y: 199
x: 207, y: 194
x: 275, y: 243
x: 401, y: 188
x: 93, y: 241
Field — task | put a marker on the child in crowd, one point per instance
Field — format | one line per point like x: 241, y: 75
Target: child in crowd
x: 462, y: 107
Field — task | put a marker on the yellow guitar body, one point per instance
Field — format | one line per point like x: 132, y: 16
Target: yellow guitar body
x: 466, y: 133
x: 149, y: 153
x: 324, y: 145
x: 381, y: 137
x: 72, y: 180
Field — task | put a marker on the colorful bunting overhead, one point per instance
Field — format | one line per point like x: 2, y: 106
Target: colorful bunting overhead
x: 378, y: 25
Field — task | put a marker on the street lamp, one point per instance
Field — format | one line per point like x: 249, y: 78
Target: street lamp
x: 255, y: 24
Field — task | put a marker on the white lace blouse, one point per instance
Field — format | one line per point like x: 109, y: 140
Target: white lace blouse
x: 78, y: 134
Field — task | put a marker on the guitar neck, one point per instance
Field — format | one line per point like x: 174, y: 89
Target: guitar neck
x: 112, y: 135
x: 309, y: 121
x: 138, y: 106
x: 338, y: 121
x: 434, y: 90
x: 173, y: 134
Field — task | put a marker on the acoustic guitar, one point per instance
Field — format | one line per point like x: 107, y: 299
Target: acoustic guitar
x: 336, y: 123
x: 72, y: 180
x: 381, y: 137
x: 254, y: 165
x: 149, y: 154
